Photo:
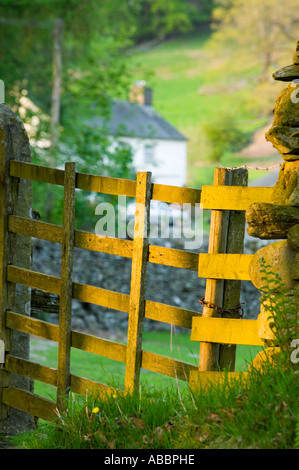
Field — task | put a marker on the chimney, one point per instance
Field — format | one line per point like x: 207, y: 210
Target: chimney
x: 148, y: 96
x: 141, y: 94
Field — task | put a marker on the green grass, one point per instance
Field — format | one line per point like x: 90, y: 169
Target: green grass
x: 261, y: 413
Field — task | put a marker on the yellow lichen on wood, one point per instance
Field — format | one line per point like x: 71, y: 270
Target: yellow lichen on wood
x: 30, y: 403
x: 201, y: 380
x: 224, y: 266
x: 66, y: 291
x: 266, y: 356
x: 225, y: 330
x: 233, y: 197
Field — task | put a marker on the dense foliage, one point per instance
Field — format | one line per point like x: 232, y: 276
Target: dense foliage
x: 261, y: 28
x: 96, y: 49
x: 95, y: 33
x: 95, y: 69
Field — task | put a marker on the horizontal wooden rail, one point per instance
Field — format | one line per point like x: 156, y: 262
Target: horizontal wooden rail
x: 48, y: 375
x: 84, y: 240
x: 99, y: 346
x: 29, y: 278
x: 211, y: 197
x: 106, y: 185
x: 90, y: 343
x: 103, y: 184
x: 211, y: 266
x: 93, y: 344
x: 173, y: 257
x: 226, y: 331
x: 98, y: 296
x: 224, y: 266
x: 30, y: 403
x: 49, y: 331
x: 103, y: 297
x: 113, y: 246
x: 169, y: 314
x: 34, y: 228
x: 166, y: 366
x: 32, y: 326
x: 81, y: 385
x: 237, y: 198
x: 32, y: 172
x: 82, y: 292
x: 46, y: 409
x: 31, y: 370
x: 203, y: 379
x: 108, y: 245
x: 176, y: 194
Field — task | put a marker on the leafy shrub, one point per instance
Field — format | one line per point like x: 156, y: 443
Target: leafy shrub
x: 224, y: 136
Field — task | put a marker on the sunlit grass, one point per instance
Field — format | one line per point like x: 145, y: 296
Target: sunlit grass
x: 257, y: 413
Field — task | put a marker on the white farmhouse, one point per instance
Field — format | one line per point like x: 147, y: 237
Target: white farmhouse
x: 157, y: 146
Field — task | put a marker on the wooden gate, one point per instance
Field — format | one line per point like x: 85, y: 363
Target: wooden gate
x: 224, y: 267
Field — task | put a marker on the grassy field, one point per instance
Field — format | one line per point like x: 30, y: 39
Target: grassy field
x: 194, y: 84
x: 177, y: 346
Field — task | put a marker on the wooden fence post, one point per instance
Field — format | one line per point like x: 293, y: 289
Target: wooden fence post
x: 138, y: 278
x: 15, y: 198
x: 232, y: 288
x: 209, y: 352
x: 66, y: 289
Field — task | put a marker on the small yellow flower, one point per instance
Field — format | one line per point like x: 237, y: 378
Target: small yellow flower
x: 96, y: 410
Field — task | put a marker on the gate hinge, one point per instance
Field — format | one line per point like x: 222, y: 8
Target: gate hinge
x: 2, y: 352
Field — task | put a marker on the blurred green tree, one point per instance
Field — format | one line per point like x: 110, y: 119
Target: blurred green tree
x: 159, y: 19
x: 261, y: 28
x: 96, y: 69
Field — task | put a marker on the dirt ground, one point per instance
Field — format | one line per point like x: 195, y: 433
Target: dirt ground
x: 260, y: 147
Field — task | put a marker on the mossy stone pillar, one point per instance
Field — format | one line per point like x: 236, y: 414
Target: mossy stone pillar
x: 15, y: 198
x: 280, y: 218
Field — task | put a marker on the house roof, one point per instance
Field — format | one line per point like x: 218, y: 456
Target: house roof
x: 135, y: 120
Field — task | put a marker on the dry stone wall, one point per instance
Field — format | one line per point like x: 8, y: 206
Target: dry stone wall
x: 280, y: 219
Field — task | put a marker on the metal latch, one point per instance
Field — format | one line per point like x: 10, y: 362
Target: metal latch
x: 2, y: 352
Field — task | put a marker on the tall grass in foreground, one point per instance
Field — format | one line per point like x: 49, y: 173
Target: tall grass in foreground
x: 256, y: 413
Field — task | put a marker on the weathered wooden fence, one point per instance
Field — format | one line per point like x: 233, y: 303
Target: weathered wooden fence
x: 224, y: 267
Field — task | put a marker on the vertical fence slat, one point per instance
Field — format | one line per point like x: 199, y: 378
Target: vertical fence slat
x: 209, y: 352
x: 138, y: 278
x: 232, y: 288
x: 65, y: 310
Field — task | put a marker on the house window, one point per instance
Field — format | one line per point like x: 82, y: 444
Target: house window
x: 149, y: 154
